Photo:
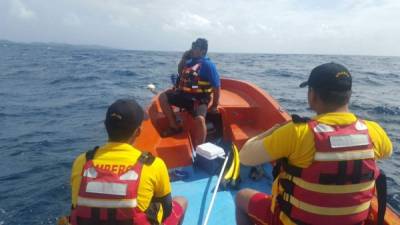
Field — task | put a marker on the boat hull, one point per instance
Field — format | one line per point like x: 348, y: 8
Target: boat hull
x: 244, y: 111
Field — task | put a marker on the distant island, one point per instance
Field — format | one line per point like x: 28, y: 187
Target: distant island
x: 53, y: 44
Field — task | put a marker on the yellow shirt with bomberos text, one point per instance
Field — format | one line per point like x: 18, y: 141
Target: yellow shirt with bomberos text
x: 295, y: 141
x: 118, y: 158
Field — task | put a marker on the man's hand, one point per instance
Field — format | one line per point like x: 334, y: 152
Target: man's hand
x: 213, y: 109
x: 253, y: 151
x: 215, y: 100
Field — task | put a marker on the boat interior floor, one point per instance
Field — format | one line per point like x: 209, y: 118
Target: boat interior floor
x: 198, y: 189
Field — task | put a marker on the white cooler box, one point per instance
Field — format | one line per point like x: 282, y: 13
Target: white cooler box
x: 209, y: 157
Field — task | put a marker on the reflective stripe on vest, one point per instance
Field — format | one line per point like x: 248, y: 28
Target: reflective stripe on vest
x: 203, y: 83
x: 321, y: 128
x: 326, y: 211
x: 329, y: 189
x: 129, y: 175
x: 106, y: 188
x: 353, y: 140
x: 341, y: 156
x: 90, y: 172
x: 196, y: 90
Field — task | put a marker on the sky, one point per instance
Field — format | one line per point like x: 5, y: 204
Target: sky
x: 356, y: 27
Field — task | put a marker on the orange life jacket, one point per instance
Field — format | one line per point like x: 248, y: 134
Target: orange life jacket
x: 191, y: 82
x: 339, y: 185
x: 106, y: 198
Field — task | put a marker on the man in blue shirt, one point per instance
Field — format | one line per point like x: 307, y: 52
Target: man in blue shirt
x: 198, y: 80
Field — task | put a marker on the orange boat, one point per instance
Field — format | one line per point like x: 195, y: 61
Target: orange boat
x: 244, y: 111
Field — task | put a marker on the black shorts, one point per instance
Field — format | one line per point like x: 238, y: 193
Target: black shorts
x: 196, y: 104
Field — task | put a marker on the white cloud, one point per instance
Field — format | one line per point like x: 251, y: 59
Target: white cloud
x: 196, y: 20
x: 72, y: 20
x: 119, y: 21
x: 20, y: 10
x: 187, y: 21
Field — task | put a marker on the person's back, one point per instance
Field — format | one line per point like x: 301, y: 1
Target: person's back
x: 327, y: 163
x: 329, y: 166
x: 118, y: 184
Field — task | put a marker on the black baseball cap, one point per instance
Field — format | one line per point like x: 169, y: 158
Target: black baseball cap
x: 330, y: 77
x: 124, y: 114
x: 201, y: 43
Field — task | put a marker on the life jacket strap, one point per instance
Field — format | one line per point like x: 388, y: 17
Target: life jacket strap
x: 90, y: 154
x: 381, y: 192
x: 342, y: 178
x: 95, y: 218
x: 290, y: 169
x: 112, y: 216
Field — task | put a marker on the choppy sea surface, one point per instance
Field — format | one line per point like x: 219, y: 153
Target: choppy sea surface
x: 53, y: 100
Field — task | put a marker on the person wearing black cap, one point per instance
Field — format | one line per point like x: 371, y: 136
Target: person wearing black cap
x: 198, y: 80
x: 117, y: 183
x: 325, y: 169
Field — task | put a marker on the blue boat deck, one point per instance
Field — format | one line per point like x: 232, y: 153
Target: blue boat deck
x: 198, y: 189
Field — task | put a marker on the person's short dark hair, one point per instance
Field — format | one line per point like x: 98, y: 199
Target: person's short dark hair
x: 200, y: 43
x: 332, y: 82
x: 123, y: 117
x: 333, y: 98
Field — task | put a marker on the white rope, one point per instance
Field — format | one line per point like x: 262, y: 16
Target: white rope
x: 215, y: 190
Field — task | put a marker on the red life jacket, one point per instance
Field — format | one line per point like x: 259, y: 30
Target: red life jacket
x: 338, y: 186
x: 107, y: 198
x: 191, y: 82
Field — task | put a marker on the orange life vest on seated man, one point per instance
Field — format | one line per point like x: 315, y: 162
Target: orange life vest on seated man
x: 106, y: 198
x: 190, y: 80
x: 338, y: 186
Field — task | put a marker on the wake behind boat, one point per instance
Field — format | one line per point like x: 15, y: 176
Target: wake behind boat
x: 244, y: 111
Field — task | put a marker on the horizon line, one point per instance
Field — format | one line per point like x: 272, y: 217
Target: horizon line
x: 98, y: 46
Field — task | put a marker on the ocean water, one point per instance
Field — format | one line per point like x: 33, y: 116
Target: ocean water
x: 53, y: 100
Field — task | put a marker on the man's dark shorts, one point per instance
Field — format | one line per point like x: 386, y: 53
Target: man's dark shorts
x: 196, y: 104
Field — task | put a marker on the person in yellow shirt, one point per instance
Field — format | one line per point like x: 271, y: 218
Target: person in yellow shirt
x: 327, y: 169
x: 117, y: 183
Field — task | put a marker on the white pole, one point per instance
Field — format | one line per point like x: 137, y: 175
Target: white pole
x: 215, y: 190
